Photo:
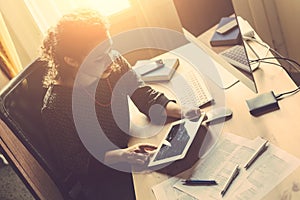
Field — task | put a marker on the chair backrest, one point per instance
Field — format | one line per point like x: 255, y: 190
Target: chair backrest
x: 20, y: 108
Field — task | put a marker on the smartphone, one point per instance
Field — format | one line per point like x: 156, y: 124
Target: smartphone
x: 143, y: 67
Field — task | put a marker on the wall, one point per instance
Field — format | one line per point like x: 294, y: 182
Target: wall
x: 289, y: 16
x: 24, y: 32
x: 255, y: 13
x: 276, y: 22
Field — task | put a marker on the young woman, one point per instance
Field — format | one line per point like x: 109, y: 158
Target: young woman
x: 65, y: 48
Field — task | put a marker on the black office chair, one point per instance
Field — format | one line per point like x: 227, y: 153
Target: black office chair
x: 20, y: 108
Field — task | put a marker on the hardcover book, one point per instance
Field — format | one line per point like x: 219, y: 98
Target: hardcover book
x: 231, y: 37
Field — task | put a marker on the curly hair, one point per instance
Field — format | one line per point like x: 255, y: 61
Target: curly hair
x: 72, y: 36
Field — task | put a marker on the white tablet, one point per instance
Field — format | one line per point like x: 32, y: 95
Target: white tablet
x: 177, y: 141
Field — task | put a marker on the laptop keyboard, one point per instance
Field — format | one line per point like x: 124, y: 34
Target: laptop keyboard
x: 178, y: 139
x: 236, y: 56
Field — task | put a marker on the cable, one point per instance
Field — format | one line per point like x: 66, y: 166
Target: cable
x: 246, y: 39
x: 253, y: 50
x: 278, y: 58
x: 292, y: 92
x: 257, y: 41
x: 273, y: 63
x: 291, y: 63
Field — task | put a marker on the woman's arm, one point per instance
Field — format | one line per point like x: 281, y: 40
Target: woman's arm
x: 136, y: 154
x: 175, y: 110
x: 146, y: 98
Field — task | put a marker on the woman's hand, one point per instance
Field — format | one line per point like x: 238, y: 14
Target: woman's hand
x: 175, y: 110
x: 191, y: 113
x: 136, y: 154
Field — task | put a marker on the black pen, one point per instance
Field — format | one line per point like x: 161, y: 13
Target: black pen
x: 258, y: 152
x: 233, y: 175
x: 199, y: 182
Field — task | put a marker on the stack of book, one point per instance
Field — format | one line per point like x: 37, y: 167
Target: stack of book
x: 157, y: 70
x: 227, y: 33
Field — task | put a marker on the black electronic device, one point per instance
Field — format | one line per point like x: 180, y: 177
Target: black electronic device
x: 263, y: 103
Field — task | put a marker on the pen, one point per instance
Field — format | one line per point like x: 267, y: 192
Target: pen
x: 199, y: 182
x: 167, y: 143
x: 233, y: 175
x: 258, y: 152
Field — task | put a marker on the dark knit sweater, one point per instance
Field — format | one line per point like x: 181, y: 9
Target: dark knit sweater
x: 111, y: 110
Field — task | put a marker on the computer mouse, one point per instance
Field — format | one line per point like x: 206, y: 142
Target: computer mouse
x: 218, y: 114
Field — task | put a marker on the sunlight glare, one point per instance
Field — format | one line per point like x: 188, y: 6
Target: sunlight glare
x: 107, y: 7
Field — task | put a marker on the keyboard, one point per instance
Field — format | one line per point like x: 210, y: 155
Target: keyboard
x: 236, y: 56
x: 191, y: 90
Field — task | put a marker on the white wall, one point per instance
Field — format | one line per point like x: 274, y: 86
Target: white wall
x: 276, y: 22
x: 24, y: 32
x: 289, y: 17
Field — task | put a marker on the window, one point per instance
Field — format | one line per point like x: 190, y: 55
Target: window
x: 104, y: 6
x: 47, y: 12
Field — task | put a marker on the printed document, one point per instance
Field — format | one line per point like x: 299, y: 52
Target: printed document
x: 264, y: 174
x: 166, y: 191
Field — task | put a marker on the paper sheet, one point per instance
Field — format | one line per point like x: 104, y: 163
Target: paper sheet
x: 218, y: 166
x: 265, y: 173
x: 166, y: 191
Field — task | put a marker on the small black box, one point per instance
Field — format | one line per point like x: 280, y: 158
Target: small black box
x: 263, y: 103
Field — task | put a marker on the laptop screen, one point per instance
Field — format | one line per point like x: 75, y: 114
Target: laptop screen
x: 222, y: 33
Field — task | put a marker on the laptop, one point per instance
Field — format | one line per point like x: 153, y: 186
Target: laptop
x: 177, y: 141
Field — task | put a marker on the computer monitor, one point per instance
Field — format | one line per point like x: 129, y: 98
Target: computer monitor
x: 223, y: 35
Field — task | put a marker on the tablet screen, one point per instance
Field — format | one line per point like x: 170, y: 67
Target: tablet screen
x: 177, y: 140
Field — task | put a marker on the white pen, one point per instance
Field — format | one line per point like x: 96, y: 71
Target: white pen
x: 167, y: 143
x: 258, y: 152
x: 233, y: 175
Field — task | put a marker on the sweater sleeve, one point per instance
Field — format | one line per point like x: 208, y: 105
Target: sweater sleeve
x: 143, y: 96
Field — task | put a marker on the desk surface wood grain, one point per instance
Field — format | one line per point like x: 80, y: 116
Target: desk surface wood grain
x: 281, y: 127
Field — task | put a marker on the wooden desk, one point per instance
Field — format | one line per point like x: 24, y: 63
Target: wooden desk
x: 281, y: 127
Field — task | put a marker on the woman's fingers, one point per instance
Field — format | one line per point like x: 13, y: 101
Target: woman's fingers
x: 137, y: 158
x: 147, y: 148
